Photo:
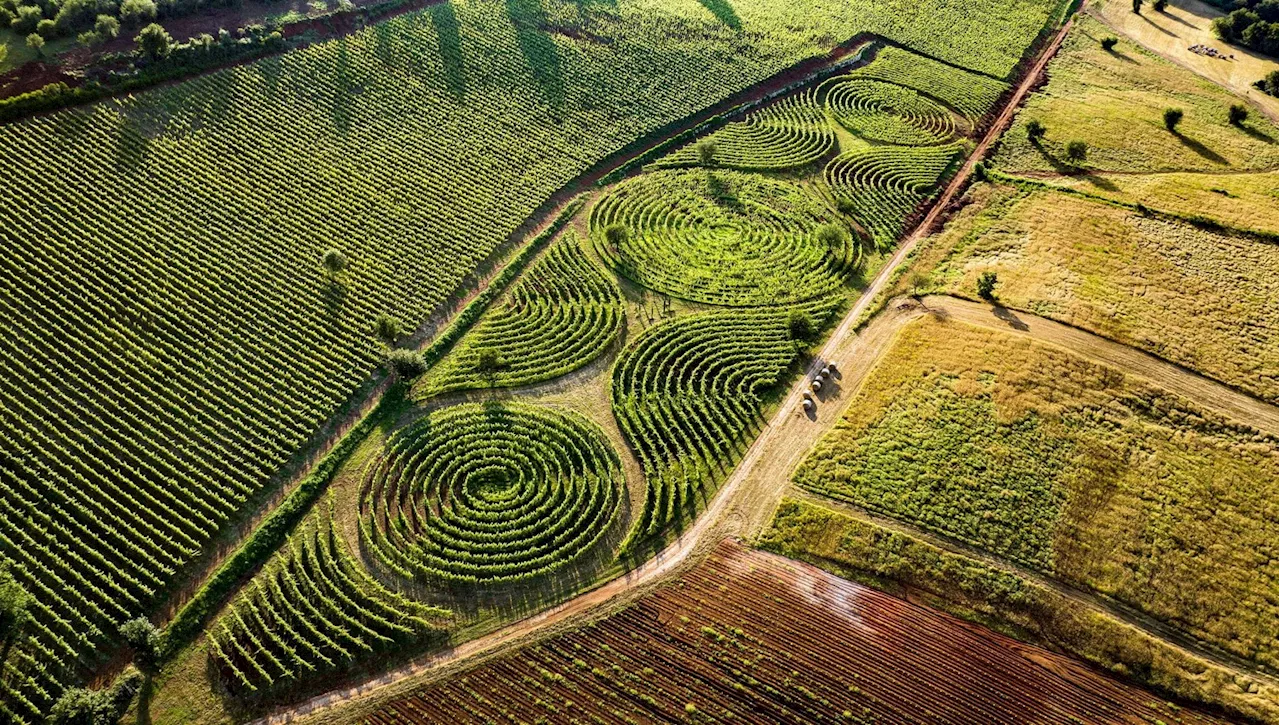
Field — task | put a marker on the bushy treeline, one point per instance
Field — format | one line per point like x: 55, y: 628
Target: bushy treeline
x: 1253, y: 24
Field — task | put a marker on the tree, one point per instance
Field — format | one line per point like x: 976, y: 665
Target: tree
x: 919, y: 282
x: 1237, y: 114
x: 1077, y: 151
x: 387, y: 328
x: 79, y: 706
x: 1160, y: 5
x: 987, y: 285
x: 141, y: 637
x: 88, y: 39
x: 36, y: 43
x: 154, y: 42
x: 1109, y: 42
x: 487, y: 363
x: 334, y: 263
x: 1172, y: 117
x: 616, y: 235
x: 707, y: 152
x: 1269, y: 85
x: 800, y: 326
x: 832, y: 235
x: 26, y: 19
x: 1035, y: 131
x: 137, y: 12
x: 15, y: 607
x: 408, y: 364
x: 1137, y: 6
x: 106, y: 27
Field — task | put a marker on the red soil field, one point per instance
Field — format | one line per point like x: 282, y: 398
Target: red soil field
x: 752, y: 637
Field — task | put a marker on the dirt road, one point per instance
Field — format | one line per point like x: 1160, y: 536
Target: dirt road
x: 749, y: 494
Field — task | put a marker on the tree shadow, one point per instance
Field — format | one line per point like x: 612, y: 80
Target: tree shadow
x: 342, y: 111
x: 1257, y: 135
x: 540, y: 52
x: 1166, y: 31
x: 1204, y: 151
x: 145, y: 695
x: 131, y: 147
x: 447, y: 27
x: 723, y: 12
x: 1122, y: 56
x: 1058, y: 165
x: 1099, y: 182
x: 1006, y: 315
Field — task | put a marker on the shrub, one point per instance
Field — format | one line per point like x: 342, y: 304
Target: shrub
x: 15, y: 607
x: 137, y: 12
x: 1172, y: 117
x: 47, y: 29
x: 1269, y: 85
x: 334, y: 262
x: 88, y: 38
x: 800, y: 326
x: 1035, y: 130
x: 142, y: 637
x: 387, y: 328
x: 1237, y: 114
x: 1077, y: 151
x: 1137, y: 6
x: 1109, y: 42
x: 26, y: 19
x: 1160, y: 5
x: 616, y: 235
x: 80, y: 706
x: 36, y: 43
x: 106, y: 27
x: 707, y: 152
x: 987, y: 285
x: 407, y: 364
x: 154, y: 42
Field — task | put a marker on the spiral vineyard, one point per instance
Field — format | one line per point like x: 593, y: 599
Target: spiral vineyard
x: 490, y: 494
x: 889, y: 113
x: 722, y: 237
x: 972, y: 94
x: 559, y: 317
x: 789, y: 134
x: 688, y: 394
x: 883, y: 185
x: 313, y: 611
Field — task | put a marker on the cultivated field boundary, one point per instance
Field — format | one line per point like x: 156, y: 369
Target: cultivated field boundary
x: 709, y: 528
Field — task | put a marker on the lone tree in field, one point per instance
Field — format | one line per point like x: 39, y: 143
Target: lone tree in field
x: 154, y: 42
x: 1172, y: 117
x: 832, y: 235
x: 616, y: 235
x: 1109, y: 42
x: 1237, y: 114
x: 1077, y: 151
x: 987, y: 285
x: 487, y: 363
x: 800, y: 326
x: 1035, y: 131
x: 408, y: 364
x: 387, y: 328
x: 707, y: 152
x: 334, y: 263
x: 1160, y: 5
x: 141, y: 637
x: 1137, y: 6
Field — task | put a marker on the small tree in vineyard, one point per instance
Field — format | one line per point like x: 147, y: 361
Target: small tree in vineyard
x: 832, y: 235
x: 800, y: 326
x: 987, y: 285
x: 387, y: 328
x: 707, y: 152
x: 616, y: 235
x: 1035, y: 131
x: 1172, y: 117
x: 141, y: 637
x: 334, y: 263
x: 15, y: 609
x: 408, y: 364
x: 1077, y: 152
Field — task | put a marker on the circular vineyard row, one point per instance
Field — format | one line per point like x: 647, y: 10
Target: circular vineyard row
x: 313, y: 610
x: 890, y: 113
x: 972, y: 94
x: 882, y: 185
x: 688, y: 396
x: 724, y: 238
x: 791, y: 133
x: 489, y: 494
x: 561, y: 315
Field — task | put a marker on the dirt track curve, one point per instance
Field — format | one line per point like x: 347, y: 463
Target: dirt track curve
x: 729, y: 512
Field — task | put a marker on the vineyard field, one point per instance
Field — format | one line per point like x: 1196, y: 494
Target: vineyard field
x: 1047, y: 460
x: 1200, y: 298
x: 747, y: 637
x: 177, y: 341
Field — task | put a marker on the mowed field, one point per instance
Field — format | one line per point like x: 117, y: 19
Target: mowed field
x: 176, y: 340
x: 1069, y: 468
x: 748, y: 637
x: 1200, y: 298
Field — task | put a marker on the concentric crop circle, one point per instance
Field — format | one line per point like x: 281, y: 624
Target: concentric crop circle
x: 720, y: 237
x: 888, y: 112
x: 487, y: 494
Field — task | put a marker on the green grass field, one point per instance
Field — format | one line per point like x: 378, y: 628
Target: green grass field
x: 1073, y: 469
x: 1114, y: 101
x: 1203, y: 299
